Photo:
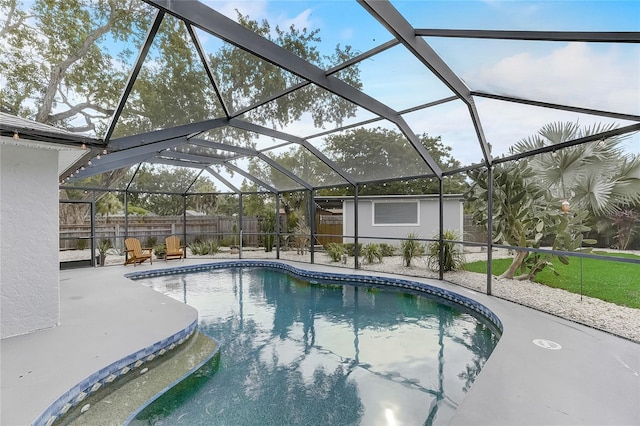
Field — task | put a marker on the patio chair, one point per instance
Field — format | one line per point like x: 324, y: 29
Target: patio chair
x: 135, y: 253
x: 174, y: 249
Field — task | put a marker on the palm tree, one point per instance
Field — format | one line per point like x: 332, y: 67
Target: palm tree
x: 597, y: 176
x: 109, y: 204
x: 598, y: 179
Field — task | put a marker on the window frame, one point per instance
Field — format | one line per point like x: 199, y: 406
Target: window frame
x: 373, y: 213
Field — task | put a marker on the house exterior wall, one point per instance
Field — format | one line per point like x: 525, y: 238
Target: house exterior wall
x: 427, y: 225
x: 29, y: 268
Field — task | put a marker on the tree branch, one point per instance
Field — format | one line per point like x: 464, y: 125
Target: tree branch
x: 8, y: 27
x: 58, y: 71
x: 77, y: 109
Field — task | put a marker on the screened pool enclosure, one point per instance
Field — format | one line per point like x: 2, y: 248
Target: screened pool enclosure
x: 252, y: 131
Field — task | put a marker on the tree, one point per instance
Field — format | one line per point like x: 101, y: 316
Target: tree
x: 524, y: 214
x: 378, y: 154
x: 65, y: 76
x: 594, y: 178
x: 160, y: 189
x: 58, y: 70
x: 597, y: 176
x: 109, y: 204
x: 227, y: 205
x: 367, y: 154
x: 246, y: 79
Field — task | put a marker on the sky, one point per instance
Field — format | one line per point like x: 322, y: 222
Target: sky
x: 602, y: 76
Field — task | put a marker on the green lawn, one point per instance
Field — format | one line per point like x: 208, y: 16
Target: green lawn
x: 615, y: 282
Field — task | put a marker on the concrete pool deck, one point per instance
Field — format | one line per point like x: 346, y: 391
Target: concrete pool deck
x: 592, y: 379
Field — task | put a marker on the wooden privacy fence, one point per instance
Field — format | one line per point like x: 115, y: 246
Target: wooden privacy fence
x: 221, y: 228
x: 160, y: 227
x: 328, y: 229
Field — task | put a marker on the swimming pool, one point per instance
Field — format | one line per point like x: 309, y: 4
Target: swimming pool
x: 310, y: 351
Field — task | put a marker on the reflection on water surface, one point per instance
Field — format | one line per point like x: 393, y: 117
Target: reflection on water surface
x: 296, y: 353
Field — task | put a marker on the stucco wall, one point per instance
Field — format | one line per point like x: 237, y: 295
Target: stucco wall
x: 29, y: 281
x: 427, y: 227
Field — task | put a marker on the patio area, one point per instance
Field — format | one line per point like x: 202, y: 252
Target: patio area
x: 589, y: 377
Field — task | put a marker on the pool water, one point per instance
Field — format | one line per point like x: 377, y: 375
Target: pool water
x: 300, y: 353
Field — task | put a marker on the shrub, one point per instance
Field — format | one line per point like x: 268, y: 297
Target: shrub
x: 226, y: 242
x: 350, y: 247
x: 82, y: 243
x: 203, y: 248
x: 371, y: 252
x: 150, y: 241
x: 452, y: 255
x: 411, y: 248
x: 335, y: 251
x: 104, y: 244
x: 387, y: 249
x: 268, y: 226
x: 160, y: 250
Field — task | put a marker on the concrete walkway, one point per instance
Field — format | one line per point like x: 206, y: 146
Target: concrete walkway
x: 574, y: 375
x: 104, y: 318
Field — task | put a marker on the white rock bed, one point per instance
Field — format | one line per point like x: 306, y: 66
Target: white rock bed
x: 619, y: 320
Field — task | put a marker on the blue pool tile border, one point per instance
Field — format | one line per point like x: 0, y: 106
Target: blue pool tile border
x: 440, y: 293
x: 105, y: 376
x: 215, y: 353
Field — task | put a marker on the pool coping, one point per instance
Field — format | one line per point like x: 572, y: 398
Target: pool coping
x: 195, y: 369
x: 109, y: 375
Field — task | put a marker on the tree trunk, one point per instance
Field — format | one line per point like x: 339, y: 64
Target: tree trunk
x: 513, y: 268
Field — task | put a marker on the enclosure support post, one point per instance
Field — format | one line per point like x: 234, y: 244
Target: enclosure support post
x: 184, y: 224
x: 356, y: 253
x: 489, y: 225
x: 126, y: 215
x: 240, y: 226
x: 441, y: 232
x: 93, y: 229
x: 278, y: 225
x: 312, y: 227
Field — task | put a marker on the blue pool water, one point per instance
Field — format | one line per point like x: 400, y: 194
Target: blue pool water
x: 300, y: 353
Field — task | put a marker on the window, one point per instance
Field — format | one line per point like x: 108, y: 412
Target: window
x: 404, y: 213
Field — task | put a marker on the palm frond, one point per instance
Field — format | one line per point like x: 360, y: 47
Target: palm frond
x: 558, y: 131
x: 596, y: 195
x: 527, y: 144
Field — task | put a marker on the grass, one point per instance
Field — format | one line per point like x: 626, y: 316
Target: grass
x: 611, y: 281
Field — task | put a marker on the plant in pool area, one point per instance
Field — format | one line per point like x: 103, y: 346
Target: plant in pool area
x: 103, y: 247
x: 387, y: 249
x: 371, y: 252
x: 160, y: 250
x: 150, y: 241
x: 203, y: 248
x: 82, y: 243
x: 268, y: 227
x: 452, y: 255
x: 351, y: 248
x: 335, y: 251
x: 411, y: 248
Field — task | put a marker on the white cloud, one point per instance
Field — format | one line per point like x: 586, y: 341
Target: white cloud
x: 302, y: 20
x: 606, y: 78
x: 255, y: 9
x: 259, y: 10
x: 603, y: 77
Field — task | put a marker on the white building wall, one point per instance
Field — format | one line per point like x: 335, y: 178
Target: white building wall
x: 29, y: 266
x: 428, y: 225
